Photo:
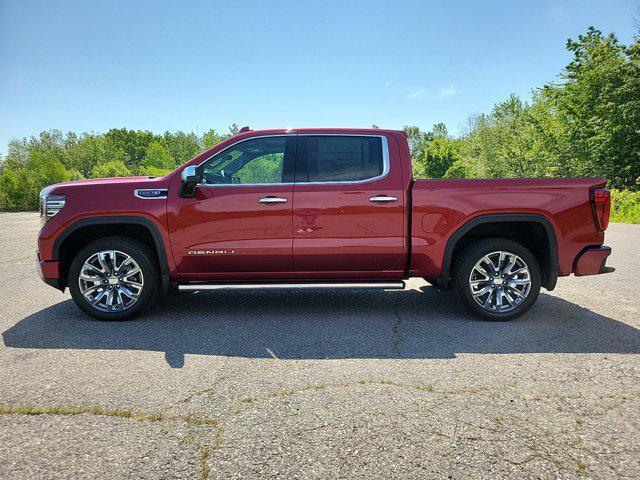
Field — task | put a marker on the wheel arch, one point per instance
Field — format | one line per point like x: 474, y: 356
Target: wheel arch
x: 506, y: 227
x: 84, y: 231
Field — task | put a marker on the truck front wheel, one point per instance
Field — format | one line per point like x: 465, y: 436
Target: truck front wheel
x: 113, y: 278
x: 497, y: 279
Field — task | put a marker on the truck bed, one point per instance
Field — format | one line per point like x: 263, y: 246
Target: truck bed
x: 442, y: 207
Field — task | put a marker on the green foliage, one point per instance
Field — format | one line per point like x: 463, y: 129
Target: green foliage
x: 440, y: 153
x: 586, y: 125
x: 415, y: 139
x: 210, y: 138
x: 157, y: 160
x: 85, y: 152
x: 53, y: 157
x: 598, y: 109
x: 264, y: 169
x: 20, y: 185
x: 505, y: 143
x: 434, y: 152
x: 183, y: 146
x: 625, y: 206
x: 114, y: 168
x: 131, y: 144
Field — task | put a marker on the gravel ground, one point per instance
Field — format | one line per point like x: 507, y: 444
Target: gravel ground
x: 320, y: 384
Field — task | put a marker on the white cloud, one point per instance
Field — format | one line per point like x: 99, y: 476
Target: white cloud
x: 420, y: 93
x: 388, y: 84
x: 449, y: 91
x: 416, y: 93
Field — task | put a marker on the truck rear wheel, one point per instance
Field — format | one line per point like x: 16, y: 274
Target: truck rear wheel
x: 497, y: 279
x: 113, y: 278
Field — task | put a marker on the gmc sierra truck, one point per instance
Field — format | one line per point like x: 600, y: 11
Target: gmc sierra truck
x: 309, y: 208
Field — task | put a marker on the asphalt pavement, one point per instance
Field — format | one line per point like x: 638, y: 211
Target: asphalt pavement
x: 320, y: 384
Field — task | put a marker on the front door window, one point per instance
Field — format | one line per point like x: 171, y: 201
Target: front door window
x: 256, y: 161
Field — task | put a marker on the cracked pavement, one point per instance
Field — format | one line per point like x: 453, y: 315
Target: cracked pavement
x: 320, y: 384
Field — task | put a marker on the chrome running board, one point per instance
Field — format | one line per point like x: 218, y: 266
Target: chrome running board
x: 318, y: 285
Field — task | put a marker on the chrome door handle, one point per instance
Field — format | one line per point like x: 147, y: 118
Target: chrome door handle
x: 272, y: 200
x: 383, y: 198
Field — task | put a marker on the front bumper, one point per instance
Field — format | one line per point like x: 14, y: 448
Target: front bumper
x: 49, y: 271
x: 592, y: 261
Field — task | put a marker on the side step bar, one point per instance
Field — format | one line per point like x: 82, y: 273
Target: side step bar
x: 263, y: 286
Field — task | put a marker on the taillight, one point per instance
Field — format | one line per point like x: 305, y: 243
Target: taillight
x: 601, y: 202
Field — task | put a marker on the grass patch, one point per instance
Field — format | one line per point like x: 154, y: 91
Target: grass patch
x: 625, y: 206
x: 582, y: 467
x: 93, y: 410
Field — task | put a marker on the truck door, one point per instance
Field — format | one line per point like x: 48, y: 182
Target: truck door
x: 348, y: 210
x: 239, y: 222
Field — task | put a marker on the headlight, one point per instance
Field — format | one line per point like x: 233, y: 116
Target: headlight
x: 49, y: 206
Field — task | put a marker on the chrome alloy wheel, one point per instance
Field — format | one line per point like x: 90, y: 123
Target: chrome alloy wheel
x: 500, y: 281
x: 111, y: 281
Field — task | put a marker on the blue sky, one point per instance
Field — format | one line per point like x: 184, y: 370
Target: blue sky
x: 195, y: 65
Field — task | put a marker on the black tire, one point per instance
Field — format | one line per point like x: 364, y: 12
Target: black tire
x: 475, y: 252
x: 138, y: 252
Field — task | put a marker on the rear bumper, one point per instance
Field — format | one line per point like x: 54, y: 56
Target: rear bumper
x: 49, y: 271
x: 592, y: 261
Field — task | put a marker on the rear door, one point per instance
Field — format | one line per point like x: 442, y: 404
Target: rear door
x: 239, y: 222
x: 348, y: 211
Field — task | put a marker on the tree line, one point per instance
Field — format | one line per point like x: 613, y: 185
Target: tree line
x: 53, y: 157
x: 587, y: 123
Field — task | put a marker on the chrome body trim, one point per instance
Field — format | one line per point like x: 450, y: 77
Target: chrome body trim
x: 386, y: 167
x: 267, y: 286
x: 272, y: 200
x: 50, y: 205
x: 188, y: 172
x: 137, y: 191
x: 383, y: 198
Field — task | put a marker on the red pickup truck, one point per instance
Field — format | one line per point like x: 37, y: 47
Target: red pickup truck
x: 329, y: 208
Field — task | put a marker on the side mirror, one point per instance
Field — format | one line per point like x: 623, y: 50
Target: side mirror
x: 189, y: 180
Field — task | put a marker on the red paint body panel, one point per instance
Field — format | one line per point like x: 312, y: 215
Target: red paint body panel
x: 325, y: 231
x: 441, y: 207
x: 47, y: 268
x: 230, y: 219
x: 106, y: 197
x: 336, y: 228
x: 591, y: 261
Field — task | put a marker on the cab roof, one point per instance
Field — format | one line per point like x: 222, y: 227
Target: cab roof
x: 369, y: 131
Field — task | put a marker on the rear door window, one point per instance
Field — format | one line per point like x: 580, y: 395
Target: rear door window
x: 343, y: 158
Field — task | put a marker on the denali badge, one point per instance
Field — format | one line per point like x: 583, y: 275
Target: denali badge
x: 150, y: 193
x: 210, y: 252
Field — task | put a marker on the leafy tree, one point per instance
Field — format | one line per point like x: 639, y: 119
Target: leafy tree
x: 439, y: 152
x: 114, y: 168
x: 73, y: 174
x: 88, y: 150
x: 438, y: 130
x: 211, y: 138
x: 51, y: 157
x: 266, y: 168
x: 416, y: 139
x: 157, y: 160
x: 598, y: 108
x: 503, y: 141
x: 20, y: 186
x: 131, y: 145
x: 181, y: 146
x: 234, y: 129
